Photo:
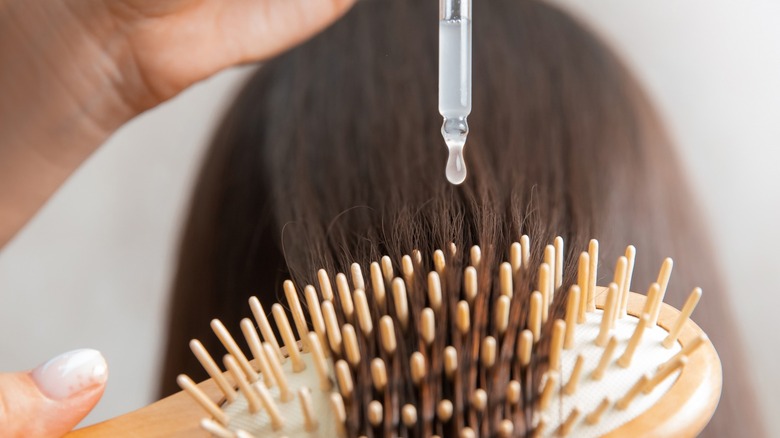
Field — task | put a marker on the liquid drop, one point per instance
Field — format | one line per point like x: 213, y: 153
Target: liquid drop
x: 456, y: 166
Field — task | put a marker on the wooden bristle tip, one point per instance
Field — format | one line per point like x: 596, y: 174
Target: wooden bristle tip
x: 351, y: 349
x: 506, y: 428
x: 463, y: 317
x: 682, y: 318
x: 232, y: 347
x: 619, y: 279
x: 365, y: 320
x: 583, y: 268
x: 606, y: 317
x: 470, y: 284
x: 387, y: 269
x: 475, y: 256
x: 488, y: 352
x: 428, y: 326
x: 301, y: 326
x: 345, y: 295
x: 525, y: 246
x: 407, y: 269
x: 515, y: 257
x: 479, y: 399
x: 535, y: 315
x: 439, y: 262
x: 265, y: 327
x: 378, y: 284
x: 544, y: 289
x: 253, y: 340
x: 593, y: 258
x: 450, y: 361
x: 358, y: 282
x: 315, y: 315
x: 513, y: 392
x: 326, y: 288
x: 374, y: 413
x: 344, y: 378
x: 558, y: 244
x: 631, y: 257
x: 525, y: 347
x: 387, y: 333
x: 283, y: 324
x: 379, y: 374
x: 417, y: 367
x: 401, y: 302
x: 444, y: 411
x: 211, y: 367
x: 332, y: 326
x: 505, y: 279
x: 434, y: 291
x: 409, y: 415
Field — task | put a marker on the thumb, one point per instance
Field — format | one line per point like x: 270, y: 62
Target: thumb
x: 51, y: 399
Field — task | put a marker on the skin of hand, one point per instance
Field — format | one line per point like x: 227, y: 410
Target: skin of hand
x: 73, y: 71
x: 51, y: 399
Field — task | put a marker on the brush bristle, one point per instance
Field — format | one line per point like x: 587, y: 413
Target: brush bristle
x: 451, y: 345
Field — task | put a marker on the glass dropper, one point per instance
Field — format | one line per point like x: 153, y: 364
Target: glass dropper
x: 455, y: 81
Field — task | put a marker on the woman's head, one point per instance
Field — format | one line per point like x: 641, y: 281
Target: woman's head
x: 332, y: 154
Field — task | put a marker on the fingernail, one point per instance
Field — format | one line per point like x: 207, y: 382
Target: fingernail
x: 71, y: 373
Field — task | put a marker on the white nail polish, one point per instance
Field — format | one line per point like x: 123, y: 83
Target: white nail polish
x: 70, y: 373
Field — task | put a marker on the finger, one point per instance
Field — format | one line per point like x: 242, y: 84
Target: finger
x: 51, y: 399
x: 263, y: 28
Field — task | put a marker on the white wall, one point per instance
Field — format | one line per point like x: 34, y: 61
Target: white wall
x: 94, y: 266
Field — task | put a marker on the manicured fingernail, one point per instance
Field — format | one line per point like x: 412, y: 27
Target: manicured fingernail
x: 70, y: 373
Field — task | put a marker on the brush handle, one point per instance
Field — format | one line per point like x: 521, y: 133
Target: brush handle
x: 682, y: 412
x: 174, y: 416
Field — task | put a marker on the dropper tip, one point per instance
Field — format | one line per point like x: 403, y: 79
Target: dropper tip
x: 456, y: 165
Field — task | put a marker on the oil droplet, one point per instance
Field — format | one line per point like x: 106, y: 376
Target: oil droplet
x: 456, y: 166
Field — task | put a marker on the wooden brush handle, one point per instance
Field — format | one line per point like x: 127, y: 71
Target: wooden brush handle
x: 682, y: 412
x: 174, y: 416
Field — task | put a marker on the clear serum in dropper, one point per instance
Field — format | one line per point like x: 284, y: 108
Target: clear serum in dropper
x: 455, y: 81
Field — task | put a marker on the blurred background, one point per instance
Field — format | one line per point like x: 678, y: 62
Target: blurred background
x: 93, y: 269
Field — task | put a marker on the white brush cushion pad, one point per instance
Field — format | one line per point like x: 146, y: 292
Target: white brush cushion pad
x: 259, y: 424
x: 616, y: 380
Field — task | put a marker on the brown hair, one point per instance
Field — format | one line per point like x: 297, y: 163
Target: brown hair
x: 332, y: 154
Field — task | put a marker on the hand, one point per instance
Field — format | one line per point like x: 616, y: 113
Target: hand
x: 165, y: 46
x: 73, y: 71
x: 51, y: 399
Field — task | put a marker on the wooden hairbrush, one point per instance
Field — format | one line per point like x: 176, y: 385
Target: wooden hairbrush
x: 443, y: 354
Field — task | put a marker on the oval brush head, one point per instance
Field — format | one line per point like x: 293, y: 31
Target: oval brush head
x: 467, y: 349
